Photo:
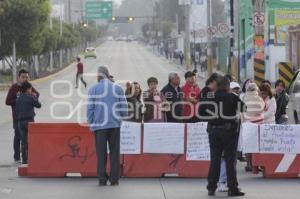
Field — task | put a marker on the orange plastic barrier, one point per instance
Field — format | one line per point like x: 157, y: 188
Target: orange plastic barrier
x: 157, y: 165
x: 57, y: 149
x: 270, y: 162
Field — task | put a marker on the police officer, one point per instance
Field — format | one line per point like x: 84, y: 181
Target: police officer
x: 223, y: 136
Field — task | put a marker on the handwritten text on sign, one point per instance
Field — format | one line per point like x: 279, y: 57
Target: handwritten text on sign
x: 165, y: 138
x: 197, y: 142
x: 130, y: 138
x: 280, y: 139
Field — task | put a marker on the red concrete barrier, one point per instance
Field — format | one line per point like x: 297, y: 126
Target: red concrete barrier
x: 157, y: 165
x: 270, y: 162
x: 57, y: 149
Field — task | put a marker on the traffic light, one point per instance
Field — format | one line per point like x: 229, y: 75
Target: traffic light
x: 117, y: 19
x: 130, y: 18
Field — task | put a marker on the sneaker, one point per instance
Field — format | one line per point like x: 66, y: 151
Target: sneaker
x: 18, y: 162
x: 235, y: 193
x: 222, y: 187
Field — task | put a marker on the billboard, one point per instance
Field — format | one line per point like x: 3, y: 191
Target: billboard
x: 282, y: 20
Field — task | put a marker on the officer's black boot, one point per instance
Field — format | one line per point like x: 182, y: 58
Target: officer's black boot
x: 235, y: 193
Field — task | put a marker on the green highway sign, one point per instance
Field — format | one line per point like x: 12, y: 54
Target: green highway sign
x: 98, y: 9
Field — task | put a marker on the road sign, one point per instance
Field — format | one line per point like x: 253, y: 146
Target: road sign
x: 202, y: 33
x: 211, y: 31
x: 258, y: 19
x: 223, y: 28
x: 98, y: 9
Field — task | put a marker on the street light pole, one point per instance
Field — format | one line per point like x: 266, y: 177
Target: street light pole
x: 51, y: 52
x: 231, y: 36
x: 187, y: 37
x: 209, y: 49
x: 61, y: 34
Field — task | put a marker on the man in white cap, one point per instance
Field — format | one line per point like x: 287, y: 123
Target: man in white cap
x: 235, y: 88
x: 106, y: 108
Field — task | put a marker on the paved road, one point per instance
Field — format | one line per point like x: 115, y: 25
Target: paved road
x: 126, y: 61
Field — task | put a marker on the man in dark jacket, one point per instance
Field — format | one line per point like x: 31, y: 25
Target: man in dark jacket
x: 173, y: 94
x: 25, y: 105
x: 11, y: 98
x: 282, y: 100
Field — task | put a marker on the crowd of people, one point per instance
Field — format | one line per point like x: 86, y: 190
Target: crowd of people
x: 223, y: 103
x: 174, y: 103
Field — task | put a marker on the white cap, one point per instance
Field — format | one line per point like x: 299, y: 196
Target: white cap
x: 234, y: 85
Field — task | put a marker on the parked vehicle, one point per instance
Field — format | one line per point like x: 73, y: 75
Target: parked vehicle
x: 294, y: 103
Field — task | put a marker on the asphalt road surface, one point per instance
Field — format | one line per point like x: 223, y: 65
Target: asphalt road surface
x: 61, y: 102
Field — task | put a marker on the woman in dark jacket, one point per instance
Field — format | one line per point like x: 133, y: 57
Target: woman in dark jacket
x: 282, y: 100
x: 135, y: 106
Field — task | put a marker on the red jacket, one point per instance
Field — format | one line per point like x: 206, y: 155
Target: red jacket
x: 79, y: 68
x: 11, y: 98
x: 190, y: 91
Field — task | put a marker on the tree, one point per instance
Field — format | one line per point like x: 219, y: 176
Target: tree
x: 24, y: 22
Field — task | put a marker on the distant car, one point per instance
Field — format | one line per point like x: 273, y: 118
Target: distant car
x: 294, y: 103
x: 90, y: 53
x: 110, y: 38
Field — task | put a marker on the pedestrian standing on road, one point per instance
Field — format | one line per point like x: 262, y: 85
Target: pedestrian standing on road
x: 254, y: 113
x: 25, y: 105
x: 181, y: 57
x: 11, y: 98
x: 135, y: 106
x: 270, y: 104
x: 106, y: 108
x: 223, y: 136
x: 79, y: 74
x: 173, y: 95
x: 191, y: 96
x: 282, y: 100
x: 153, y: 102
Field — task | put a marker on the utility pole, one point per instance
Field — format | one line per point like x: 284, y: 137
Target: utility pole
x: 51, y: 52
x: 14, y: 62
x: 69, y: 12
x: 187, y: 42
x: 60, y: 34
x: 230, y: 61
x: 209, y: 49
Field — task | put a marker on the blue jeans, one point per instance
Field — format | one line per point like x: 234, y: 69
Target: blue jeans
x: 223, y: 174
x: 23, y: 129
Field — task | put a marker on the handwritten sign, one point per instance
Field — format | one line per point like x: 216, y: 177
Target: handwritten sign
x: 283, y: 139
x: 130, y: 138
x: 197, y: 142
x: 165, y: 138
x: 249, y: 135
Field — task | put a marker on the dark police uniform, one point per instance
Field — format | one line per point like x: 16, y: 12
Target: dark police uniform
x: 223, y: 137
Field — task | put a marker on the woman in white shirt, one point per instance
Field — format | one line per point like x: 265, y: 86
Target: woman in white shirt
x: 270, y: 104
